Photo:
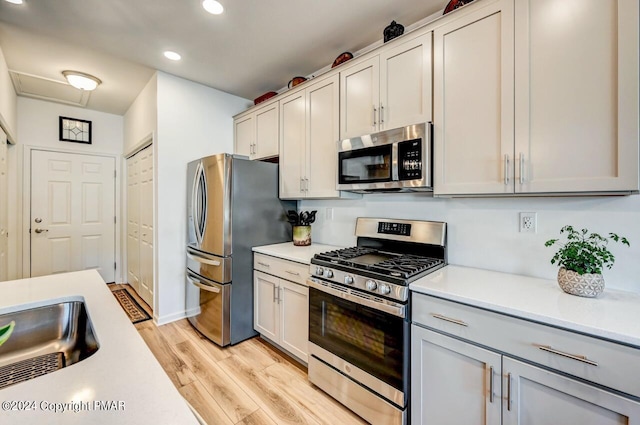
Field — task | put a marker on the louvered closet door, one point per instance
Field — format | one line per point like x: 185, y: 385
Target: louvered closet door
x: 133, y: 222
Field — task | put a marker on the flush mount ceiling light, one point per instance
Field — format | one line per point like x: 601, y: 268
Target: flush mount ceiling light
x: 81, y: 81
x: 14, y: 1
x: 172, y: 55
x: 213, y: 7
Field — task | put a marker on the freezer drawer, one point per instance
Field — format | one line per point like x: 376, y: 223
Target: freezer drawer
x: 208, y: 307
x: 209, y: 266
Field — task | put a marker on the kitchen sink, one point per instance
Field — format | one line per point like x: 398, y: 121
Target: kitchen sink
x: 45, y: 339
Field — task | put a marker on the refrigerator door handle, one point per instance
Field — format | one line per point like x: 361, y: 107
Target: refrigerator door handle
x: 204, y: 260
x: 193, y: 279
x: 196, y: 204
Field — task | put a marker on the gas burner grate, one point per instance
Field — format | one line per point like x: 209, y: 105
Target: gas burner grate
x: 405, y: 266
x: 30, y: 368
x: 346, y: 253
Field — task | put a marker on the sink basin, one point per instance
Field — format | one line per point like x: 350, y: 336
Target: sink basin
x: 45, y: 339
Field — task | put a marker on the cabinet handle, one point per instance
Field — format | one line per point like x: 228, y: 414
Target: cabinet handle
x: 381, y: 114
x: 306, y: 184
x: 577, y: 357
x: 280, y: 294
x: 275, y: 293
x: 374, y: 116
x: 449, y: 319
x: 293, y: 273
x: 509, y: 392
x: 491, y: 384
x: 521, y: 168
x: 264, y: 264
x: 506, y: 169
x: 301, y: 189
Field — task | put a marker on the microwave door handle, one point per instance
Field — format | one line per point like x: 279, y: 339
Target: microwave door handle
x: 394, y: 162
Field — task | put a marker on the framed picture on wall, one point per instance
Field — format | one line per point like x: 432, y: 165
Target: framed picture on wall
x: 75, y: 130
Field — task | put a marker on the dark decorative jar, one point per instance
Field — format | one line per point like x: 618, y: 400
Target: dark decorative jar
x: 392, y: 31
x: 454, y: 4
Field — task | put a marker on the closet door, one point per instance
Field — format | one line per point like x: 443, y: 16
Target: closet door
x: 133, y: 222
x: 146, y: 225
x: 4, y: 211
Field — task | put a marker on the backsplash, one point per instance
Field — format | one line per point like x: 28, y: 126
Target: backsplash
x: 483, y: 232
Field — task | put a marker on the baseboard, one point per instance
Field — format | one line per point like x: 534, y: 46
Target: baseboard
x: 163, y: 320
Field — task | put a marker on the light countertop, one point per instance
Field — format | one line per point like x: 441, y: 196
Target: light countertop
x: 614, y: 315
x: 122, y: 370
x: 288, y: 251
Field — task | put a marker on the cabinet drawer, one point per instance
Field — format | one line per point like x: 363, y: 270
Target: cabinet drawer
x: 603, y: 362
x: 285, y: 269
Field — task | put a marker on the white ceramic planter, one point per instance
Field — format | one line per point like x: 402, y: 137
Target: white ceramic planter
x: 584, y: 285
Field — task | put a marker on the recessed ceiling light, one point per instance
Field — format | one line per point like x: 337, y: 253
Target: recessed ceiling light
x: 81, y: 81
x: 213, y: 7
x: 172, y: 55
x: 15, y: 1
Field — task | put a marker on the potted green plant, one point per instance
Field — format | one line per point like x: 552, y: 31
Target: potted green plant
x: 581, y: 259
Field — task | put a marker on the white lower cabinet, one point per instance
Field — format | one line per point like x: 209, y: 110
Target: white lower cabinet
x: 464, y: 371
x: 281, y: 312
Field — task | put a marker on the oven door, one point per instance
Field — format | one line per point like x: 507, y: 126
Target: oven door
x: 372, y: 340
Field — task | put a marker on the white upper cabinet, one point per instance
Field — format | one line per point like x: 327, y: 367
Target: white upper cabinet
x: 537, y: 96
x: 473, y: 102
x: 405, y: 83
x: 308, y: 141
x: 256, y: 132
x: 576, y: 87
x: 389, y: 90
x: 359, y: 98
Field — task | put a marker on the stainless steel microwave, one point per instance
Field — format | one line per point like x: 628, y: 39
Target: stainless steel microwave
x: 397, y: 160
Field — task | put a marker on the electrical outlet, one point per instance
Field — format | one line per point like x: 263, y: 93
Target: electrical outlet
x: 528, y: 222
x: 329, y: 214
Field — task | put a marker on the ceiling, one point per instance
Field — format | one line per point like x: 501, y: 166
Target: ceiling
x: 254, y: 47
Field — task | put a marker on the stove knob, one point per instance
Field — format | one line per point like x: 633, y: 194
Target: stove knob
x: 319, y: 271
x: 348, y: 280
x: 371, y: 285
x: 329, y: 274
x: 384, y: 289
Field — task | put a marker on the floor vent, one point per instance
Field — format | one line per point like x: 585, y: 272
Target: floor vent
x: 30, y: 368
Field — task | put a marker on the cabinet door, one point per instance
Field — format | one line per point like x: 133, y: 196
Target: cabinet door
x: 244, y: 133
x: 294, y: 318
x: 360, y: 99
x: 576, y: 83
x: 473, y: 102
x: 292, y: 146
x: 453, y: 382
x: 405, y: 83
x: 4, y: 211
x: 265, y: 307
x: 266, y: 132
x: 535, y: 396
x: 322, y: 138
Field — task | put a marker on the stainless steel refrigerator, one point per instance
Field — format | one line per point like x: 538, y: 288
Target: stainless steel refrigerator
x: 232, y: 206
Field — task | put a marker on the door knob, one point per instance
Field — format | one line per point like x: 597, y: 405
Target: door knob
x: 38, y: 220
x: 41, y: 230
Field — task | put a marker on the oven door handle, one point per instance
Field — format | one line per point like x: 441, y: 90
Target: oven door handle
x: 391, y: 308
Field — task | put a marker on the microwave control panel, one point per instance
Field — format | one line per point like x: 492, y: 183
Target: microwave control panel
x: 410, y: 160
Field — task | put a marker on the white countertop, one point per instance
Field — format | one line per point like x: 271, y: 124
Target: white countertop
x: 288, y: 251
x: 614, y: 315
x: 123, y: 368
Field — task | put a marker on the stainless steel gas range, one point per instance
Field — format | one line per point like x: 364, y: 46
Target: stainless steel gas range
x: 359, y: 318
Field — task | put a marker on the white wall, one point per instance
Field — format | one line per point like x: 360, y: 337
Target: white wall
x: 141, y: 119
x: 484, y: 233
x: 8, y: 105
x: 193, y: 121
x: 37, y: 126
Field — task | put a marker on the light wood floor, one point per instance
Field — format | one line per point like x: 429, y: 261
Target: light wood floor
x: 251, y: 383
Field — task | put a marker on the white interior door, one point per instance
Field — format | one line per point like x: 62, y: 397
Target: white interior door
x: 72, y: 213
x: 133, y: 222
x: 146, y: 225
